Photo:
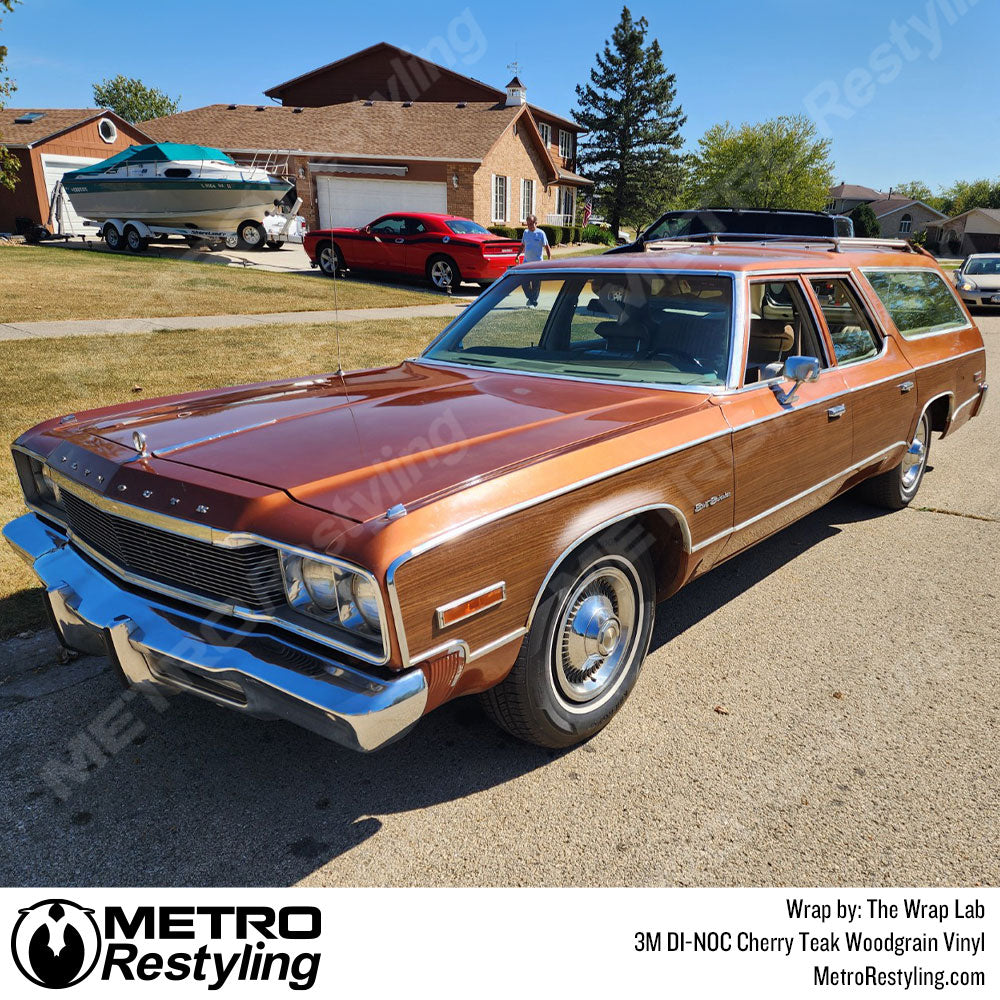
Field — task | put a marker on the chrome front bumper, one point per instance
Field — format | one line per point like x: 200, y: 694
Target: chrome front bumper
x: 170, y: 647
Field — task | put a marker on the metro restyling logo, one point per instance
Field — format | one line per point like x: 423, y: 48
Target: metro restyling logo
x: 57, y: 943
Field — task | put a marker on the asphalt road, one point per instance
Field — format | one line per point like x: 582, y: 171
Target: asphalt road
x: 855, y: 654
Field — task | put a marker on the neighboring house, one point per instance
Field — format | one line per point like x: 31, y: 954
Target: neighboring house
x: 902, y: 218
x: 844, y: 198
x: 384, y: 130
x: 48, y: 142
x: 386, y: 72
x: 975, y: 231
x: 355, y: 161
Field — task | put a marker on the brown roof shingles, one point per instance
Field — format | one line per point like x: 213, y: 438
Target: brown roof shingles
x: 53, y: 121
x: 390, y: 129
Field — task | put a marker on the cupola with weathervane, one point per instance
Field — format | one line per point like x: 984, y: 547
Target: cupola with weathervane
x: 517, y: 94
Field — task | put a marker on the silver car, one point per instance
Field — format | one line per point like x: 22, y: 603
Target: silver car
x: 978, y: 280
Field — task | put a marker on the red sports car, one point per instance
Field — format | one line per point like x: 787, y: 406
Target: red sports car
x: 446, y: 249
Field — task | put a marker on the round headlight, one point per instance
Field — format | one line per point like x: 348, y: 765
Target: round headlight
x: 365, y: 596
x: 320, y: 580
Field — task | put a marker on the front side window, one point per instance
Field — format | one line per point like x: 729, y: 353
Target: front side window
x: 499, y: 199
x: 781, y: 326
x: 661, y: 328
x: 918, y: 300
x: 850, y: 329
x: 393, y: 226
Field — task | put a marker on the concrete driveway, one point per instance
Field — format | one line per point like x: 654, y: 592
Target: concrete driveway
x: 854, y: 656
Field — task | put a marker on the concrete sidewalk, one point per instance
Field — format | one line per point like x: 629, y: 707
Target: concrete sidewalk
x: 89, y: 327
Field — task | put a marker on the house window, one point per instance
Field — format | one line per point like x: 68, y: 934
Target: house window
x: 527, y: 199
x: 499, y: 198
x: 565, y: 144
x: 546, y: 131
x: 107, y: 130
x: 905, y: 223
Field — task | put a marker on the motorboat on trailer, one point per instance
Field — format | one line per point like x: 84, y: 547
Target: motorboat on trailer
x: 169, y: 184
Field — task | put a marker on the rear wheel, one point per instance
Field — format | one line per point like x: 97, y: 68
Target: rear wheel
x: 135, y: 241
x: 250, y: 235
x: 443, y: 273
x: 112, y: 237
x: 896, y: 488
x: 275, y: 244
x: 330, y: 260
x: 231, y: 242
x: 584, y: 651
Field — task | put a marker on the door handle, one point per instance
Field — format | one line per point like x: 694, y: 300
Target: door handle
x: 398, y: 241
x: 905, y: 387
x: 836, y: 412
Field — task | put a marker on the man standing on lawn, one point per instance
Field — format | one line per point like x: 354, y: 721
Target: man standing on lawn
x: 533, y: 242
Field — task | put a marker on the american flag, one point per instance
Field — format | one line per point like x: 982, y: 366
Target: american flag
x: 588, y: 209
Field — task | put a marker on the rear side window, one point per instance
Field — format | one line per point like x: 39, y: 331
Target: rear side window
x: 919, y: 301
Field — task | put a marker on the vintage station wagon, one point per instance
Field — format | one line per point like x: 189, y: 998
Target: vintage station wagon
x: 502, y: 514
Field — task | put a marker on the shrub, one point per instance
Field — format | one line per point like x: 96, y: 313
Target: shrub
x: 919, y: 239
x: 505, y: 231
x: 597, y: 234
x: 865, y: 223
x: 554, y: 234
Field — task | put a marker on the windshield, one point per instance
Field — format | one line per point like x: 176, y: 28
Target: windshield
x: 983, y: 265
x: 465, y: 226
x: 656, y: 327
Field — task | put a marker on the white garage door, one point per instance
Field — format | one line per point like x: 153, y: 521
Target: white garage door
x: 53, y: 168
x: 350, y: 201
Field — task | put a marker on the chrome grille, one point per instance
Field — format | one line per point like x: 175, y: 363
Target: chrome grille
x: 249, y: 576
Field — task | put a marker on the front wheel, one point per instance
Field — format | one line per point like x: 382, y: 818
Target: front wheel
x: 112, y: 237
x: 895, y: 488
x: 443, y: 273
x: 584, y: 650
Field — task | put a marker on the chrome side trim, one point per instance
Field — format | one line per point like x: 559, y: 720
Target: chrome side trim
x: 958, y: 409
x: 798, y: 496
x: 440, y: 611
x: 934, y: 399
x: 685, y: 532
x: 491, y: 647
x: 451, y: 646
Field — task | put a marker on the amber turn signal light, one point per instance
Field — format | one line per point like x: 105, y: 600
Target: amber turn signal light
x: 472, y: 604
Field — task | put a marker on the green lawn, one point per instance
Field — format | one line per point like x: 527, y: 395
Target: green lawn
x: 46, y: 378
x: 51, y: 283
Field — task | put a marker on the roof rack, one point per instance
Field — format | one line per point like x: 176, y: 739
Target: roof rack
x: 835, y: 244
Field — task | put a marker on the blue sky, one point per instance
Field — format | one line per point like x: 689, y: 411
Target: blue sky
x: 904, y: 88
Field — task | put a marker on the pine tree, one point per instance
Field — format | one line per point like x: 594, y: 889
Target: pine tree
x: 634, y: 127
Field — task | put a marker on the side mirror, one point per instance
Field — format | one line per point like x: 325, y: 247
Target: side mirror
x: 368, y: 229
x: 799, y: 370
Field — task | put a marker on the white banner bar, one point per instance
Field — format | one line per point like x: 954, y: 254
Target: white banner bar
x: 484, y: 943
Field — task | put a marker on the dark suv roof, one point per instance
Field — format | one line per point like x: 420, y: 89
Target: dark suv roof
x: 741, y: 221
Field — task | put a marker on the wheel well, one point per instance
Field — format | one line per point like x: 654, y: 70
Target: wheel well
x: 658, y: 530
x: 939, y: 411
x: 440, y: 256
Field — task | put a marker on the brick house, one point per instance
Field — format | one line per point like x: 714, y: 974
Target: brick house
x: 47, y: 142
x: 844, y: 198
x: 975, y: 231
x: 384, y: 130
x: 901, y: 218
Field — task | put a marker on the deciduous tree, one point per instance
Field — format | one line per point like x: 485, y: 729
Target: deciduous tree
x: 133, y: 100
x: 779, y: 163
x: 865, y: 223
x: 9, y: 164
x: 633, y: 124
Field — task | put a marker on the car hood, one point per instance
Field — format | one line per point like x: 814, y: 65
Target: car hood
x: 359, y: 444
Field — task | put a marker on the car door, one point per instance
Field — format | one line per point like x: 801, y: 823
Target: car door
x: 791, y: 450
x: 883, y: 399
x: 377, y: 247
x: 417, y: 245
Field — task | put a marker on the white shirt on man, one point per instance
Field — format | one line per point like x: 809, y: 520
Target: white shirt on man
x: 534, y: 242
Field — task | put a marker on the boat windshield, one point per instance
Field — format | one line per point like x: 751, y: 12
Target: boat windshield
x: 658, y: 327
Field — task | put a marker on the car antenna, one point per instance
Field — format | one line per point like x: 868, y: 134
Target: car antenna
x: 336, y: 321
